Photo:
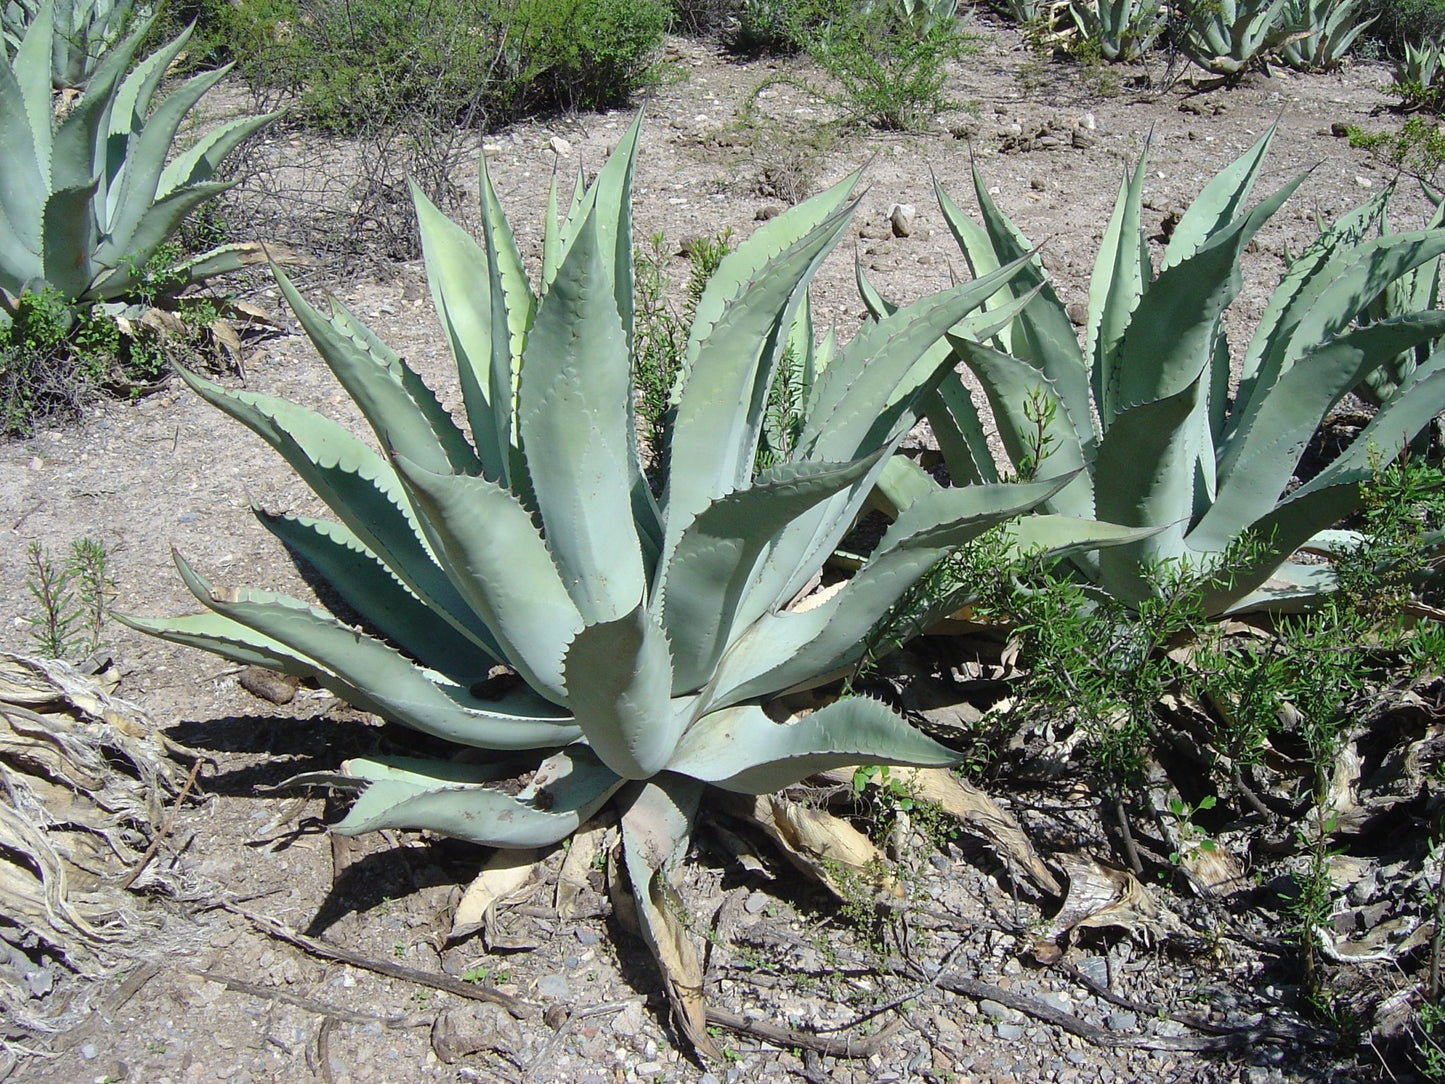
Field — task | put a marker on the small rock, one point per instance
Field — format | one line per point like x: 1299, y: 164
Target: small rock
x: 1364, y: 182
x: 269, y: 685
x: 560, y: 147
x: 469, y: 1029
x: 998, y: 1011
x: 1088, y: 122
x: 1122, y: 1021
x: 767, y: 213
x: 89, y: 1052
x: 586, y: 936
x: 755, y: 903
x: 1078, y: 313
x: 1009, y: 1032
x: 900, y: 217
x: 554, y: 986
x: 1339, y: 129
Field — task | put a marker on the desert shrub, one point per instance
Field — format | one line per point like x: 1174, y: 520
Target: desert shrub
x: 361, y: 63
x: 887, y: 58
x: 1401, y: 21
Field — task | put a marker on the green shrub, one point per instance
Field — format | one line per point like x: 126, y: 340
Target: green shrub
x: 1401, y: 21
x: 888, y: 58
x: 359, y: 63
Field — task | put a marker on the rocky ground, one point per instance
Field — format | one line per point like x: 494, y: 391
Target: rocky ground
x: 289, y: 954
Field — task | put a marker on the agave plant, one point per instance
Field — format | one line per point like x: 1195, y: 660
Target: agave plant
x: 1227, y: 37
x: 1322, y: 32
x: 1121, y: 29
x: 655, y: 636
x: 87, y: 202
x: 1144, y: 418
x: 84, y: 30
x: 1418, y: 74
x: 1415, y: 291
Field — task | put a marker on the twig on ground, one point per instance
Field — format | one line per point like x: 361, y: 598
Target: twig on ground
x: 240, y: 986
x: 806, y: 1040
x: 545, y: 1056
x: 326, y: 951
x: 1233, y: 1039
x: 165, y: 829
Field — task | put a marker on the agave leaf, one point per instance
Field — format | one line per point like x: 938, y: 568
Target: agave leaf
x: 224, y: 259
x: 1274, y: 439
x: 454, y: 265
x: 742, y: 267
x: 716, y: 558
x: 608, y: 201
x: 357, y: 485
x: 25, y: 145
x: 978, y: 252
x: 575, y: 785
x: 159, y: 222
x: 1121, y: 271
x: 500, y: 565
x: 782, y: 650
x: 230, y: 639
x: 1174, y: 326
x: 1326, y: 303
x: 714, y: 442
x: 344, y: 562
x: 956, y: 425
x: 742, y: 749
x: 1044, y: 335
x: 575, y: 424
x: 656, y: 828
x: 1218, y: 204
x: 901, y: 482
x: 1014, y: 388
x: 146, y: 156
x: 375, y: 676
x: 1334, y: 493
x: 619, y: 684
x: 199, y: 162
x: 403, y: 413
x: 513, y: 309
x: 69, y: 230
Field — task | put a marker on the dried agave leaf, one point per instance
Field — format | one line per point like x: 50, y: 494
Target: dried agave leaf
x: 822, y: 845
x: 656, y: 829
x: 1099, y: 896
x: 1213, y: 870
x: 84, y: 778
x: 500, y: 881
x: 976, y: 813
x: 589, y: 844
x: 741, y: 851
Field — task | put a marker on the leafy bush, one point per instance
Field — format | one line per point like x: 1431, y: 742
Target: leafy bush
x: 363, y: 63
x: 888, y: 57
x: 1398, y: 22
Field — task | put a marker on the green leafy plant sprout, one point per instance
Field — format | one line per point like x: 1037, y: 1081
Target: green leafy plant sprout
x: 72, y: 598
